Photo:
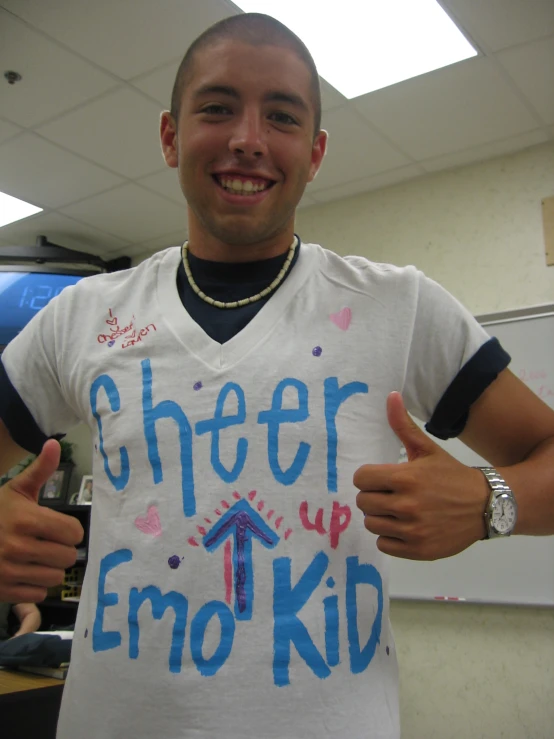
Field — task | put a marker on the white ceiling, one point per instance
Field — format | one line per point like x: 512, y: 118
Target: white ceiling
x: 79, y: 133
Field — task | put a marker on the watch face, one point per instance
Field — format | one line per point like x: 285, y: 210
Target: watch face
x: 504, y: 514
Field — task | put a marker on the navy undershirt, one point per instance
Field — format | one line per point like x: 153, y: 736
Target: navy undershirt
x: 229, y: 282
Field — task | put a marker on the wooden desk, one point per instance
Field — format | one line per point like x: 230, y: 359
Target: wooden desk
x: 29, y: 705
x: 12, y: 681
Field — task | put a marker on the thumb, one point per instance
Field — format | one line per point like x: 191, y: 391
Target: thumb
x: 33, y: 477
x: 416, y: 442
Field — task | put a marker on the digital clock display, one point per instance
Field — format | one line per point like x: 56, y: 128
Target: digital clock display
x: 23, y: 294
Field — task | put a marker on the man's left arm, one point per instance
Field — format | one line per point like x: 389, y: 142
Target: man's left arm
x: 513, y: 429
x: 433, y: 506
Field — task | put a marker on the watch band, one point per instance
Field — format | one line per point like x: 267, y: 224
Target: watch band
x: 498, y: 487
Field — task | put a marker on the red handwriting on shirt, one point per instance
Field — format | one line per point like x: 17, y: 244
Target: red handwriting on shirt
x: 135, y: 338
x: 339, y: 521
x: 129, y: 333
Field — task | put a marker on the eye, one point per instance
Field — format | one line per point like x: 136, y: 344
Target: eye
x: 280, y: 117
x: 215, y: 109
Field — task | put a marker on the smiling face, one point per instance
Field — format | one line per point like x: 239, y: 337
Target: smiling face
x: 244, y: 148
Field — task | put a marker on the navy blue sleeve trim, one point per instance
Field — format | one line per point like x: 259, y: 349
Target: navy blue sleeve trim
x: 18, y: 419
x: 452, y: 411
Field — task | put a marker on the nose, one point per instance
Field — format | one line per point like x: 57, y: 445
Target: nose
x: 249, y: 136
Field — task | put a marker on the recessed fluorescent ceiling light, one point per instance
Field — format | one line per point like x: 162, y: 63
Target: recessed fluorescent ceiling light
x: 13, y: 209
x: 364, y: 45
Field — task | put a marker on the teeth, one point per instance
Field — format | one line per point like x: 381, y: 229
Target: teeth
x: 238, y: 187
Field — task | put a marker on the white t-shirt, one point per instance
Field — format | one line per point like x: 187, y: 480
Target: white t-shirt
x: 231, y: 588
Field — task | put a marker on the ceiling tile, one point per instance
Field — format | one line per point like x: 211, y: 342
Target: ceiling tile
x: 118, y: 130
x: 101, y: 30
x: 140, y: 252
x: 53, y: 79
x: 127, y: 251
x: 531, y: 66
x: 164, y: 183
x: 502, y: 23
x: 175, y: 238
x: 450, y: 109
x: 159, y: 84
x: 8, y: 130
x: 353, y: 150
x: 486, y: 151
x: 384, y: 179
x: 62, y: 231
x: 131, y: 213
x: 25, y: 161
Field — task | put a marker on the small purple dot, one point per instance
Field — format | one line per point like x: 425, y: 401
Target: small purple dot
x: 174, y: 562
x: 316, y: 351
x: 86, y: 633
x: 197, y: 386
x: 111, y: 343
x: 388, y: 650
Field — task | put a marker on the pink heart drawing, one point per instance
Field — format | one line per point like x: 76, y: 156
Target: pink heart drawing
x: 342, y: 318
x: 111, y: 321
x: 149, y: 524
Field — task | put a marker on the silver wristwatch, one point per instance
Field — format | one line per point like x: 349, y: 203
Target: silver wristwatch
x: 501, y: 510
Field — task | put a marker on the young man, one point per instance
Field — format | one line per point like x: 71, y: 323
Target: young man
x: 245, y: 393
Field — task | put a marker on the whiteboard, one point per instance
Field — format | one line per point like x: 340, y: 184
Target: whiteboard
x: 518, y: 570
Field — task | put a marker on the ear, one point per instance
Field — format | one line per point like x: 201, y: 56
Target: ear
x: 318, y: 152
x: 168, y: 139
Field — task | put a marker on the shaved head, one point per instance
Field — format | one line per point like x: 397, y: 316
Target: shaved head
x: 255, y: 29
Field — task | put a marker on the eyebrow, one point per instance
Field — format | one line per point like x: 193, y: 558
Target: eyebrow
x: 273, y: 96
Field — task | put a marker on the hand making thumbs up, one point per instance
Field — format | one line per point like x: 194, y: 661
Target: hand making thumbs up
x: 36, y: 543
x: 429, y: 507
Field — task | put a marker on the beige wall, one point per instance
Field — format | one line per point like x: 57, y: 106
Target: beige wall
x: 476, y: 230
x: 467, y: 671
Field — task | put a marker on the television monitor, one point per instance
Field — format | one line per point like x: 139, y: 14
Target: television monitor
x: 26, y: 289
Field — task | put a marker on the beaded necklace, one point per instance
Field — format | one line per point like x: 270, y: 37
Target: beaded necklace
x: 246, y: 301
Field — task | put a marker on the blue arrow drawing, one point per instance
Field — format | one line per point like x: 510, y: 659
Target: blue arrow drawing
x: 243, y: 523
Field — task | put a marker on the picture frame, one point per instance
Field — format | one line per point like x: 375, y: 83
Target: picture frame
x: 54, y: 490
x: 86, y: 491
x: 73, y: 499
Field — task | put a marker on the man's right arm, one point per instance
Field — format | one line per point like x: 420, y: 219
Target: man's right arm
x: 37, y: 544
x: 10, y: 452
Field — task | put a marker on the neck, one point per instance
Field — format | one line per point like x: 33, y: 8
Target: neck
x: 206, y: 246
x: 244, y: 301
